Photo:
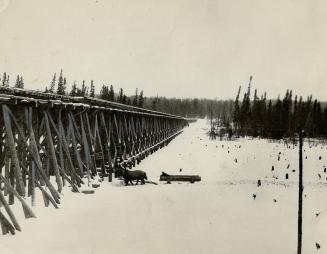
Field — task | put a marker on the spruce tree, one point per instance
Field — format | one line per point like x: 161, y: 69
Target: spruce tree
x: 53, y: 84
x: 84, y: 90
x: 121, y: 95
x: 141, y: 100
x: 236, y: 111
x: 73, y: 92
x: 17, y: 84
x: 135, y: 99
x: 104, y: 92
x: 111, y: 95
x: 21, y: 82
x: 124, y: 99
x: 92, y: 92
x: 4, y: 79
x: 61, y: 84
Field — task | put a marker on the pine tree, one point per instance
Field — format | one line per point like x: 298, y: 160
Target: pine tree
x: 141, y: 100
x: 277, y: 120
x: 21, y: 82
x: 73, y: 92
x: 121, y: 95
x: 4, y: 79
x: 236, y: 112
x: 111, y: 94
x: 92, y: 92
x: 61, y: 84
x: 255, y: 116
x: 53, y: 84
x: 17, y: 84
x: 84, y: 90
x: 245, y: 111
x: 155, y: 103
x: 124, y: 99
x: 135, y: 99
x: 7, y: 81
x: 104, y: 92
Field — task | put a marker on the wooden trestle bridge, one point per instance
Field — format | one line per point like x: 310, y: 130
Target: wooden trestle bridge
x: 71, y: 140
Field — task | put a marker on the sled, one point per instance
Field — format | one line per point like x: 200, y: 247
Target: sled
x: 179, y: 178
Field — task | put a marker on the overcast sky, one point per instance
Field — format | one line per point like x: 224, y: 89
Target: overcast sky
x: 174, y: 48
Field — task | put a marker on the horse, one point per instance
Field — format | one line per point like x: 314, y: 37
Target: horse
x: 137, y: 175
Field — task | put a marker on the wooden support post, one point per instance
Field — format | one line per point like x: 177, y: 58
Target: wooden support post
x: 11, y: 189
x: 9, y: 212
x: 86, y: 149
x: 6, y: 225
x: 7, y: 169
x: 13, y: 152
x: 74, y: 143
x: 52, y: 152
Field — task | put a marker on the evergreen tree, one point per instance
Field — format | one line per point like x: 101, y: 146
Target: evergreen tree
x: 73, y: 91
x: 21, y: 82
x: 61, y: 84
x: 17, y: 84
x: 92, y: 92
x: 121, y: 96
x: 245, y: 111
x: 135, y: 99
x: 111, y: 94
x: 141, y: 100
x: 124, y: 99
x: 255, y: 116
x: 155, y: 102
x: 4, y: 79
x: 104, y: 92
x: 53, y: 84
x: 83, y: 91
x: 236, y: 111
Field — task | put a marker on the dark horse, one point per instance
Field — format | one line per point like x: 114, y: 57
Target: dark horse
x: 137, y: 175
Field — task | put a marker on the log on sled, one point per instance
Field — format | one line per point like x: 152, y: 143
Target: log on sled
x: 179, y: 178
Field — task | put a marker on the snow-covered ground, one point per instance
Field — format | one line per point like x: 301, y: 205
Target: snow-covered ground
x: 216, y: 215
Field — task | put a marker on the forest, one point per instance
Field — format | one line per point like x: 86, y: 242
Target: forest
x: 278, y: 118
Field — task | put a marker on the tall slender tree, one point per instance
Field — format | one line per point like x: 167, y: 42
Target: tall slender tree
x: 61, y: 84
x: 92, y: 89
x: 141, y: 100
x: 135, y: 99
x: 53, y: 84
x: 111, y: 94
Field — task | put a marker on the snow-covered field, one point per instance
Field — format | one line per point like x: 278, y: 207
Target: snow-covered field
x: 216, y: 215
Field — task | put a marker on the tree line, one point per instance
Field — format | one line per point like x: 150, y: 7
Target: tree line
x: 192, y: 108
x: 279, y: 118
x: 5, y: 81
